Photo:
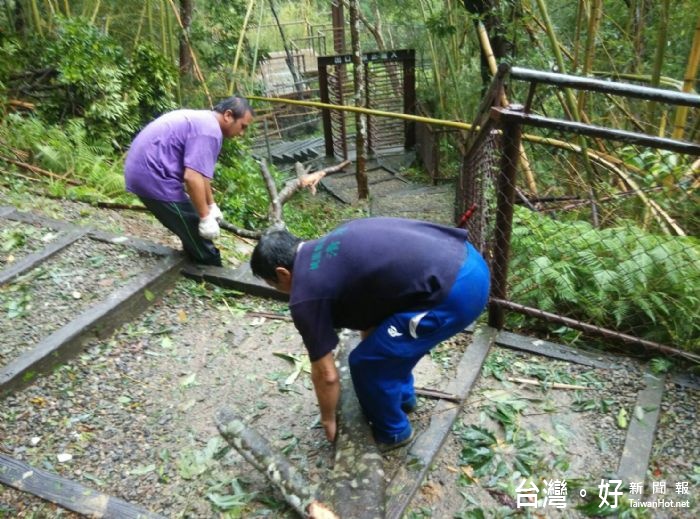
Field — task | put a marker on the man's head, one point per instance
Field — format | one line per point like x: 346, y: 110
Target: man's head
x: 234, y: 115
x: 273, y: 259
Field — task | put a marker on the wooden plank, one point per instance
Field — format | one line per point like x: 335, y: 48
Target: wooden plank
x: 6, y: 210
x: 32, y: 260
x: 67, y: 493
x: 409, y: 477
x: 690, y: 380
x: 117, y: 239
x: 241, y: 279
x: 135, y: 243
x: 41, y: 221
x: 553, y: 350
x: 98, y: 320
x: 640, y: 434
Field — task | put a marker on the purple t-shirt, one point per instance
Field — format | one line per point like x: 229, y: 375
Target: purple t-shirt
x: 156, y: 162
x: 368, y: 269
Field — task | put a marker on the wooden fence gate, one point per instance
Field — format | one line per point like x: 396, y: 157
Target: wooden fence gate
x: 389, y: 86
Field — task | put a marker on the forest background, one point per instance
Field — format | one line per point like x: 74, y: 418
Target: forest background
x: 78, y: 79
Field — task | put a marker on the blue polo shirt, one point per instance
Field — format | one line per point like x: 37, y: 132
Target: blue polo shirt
x: 368, y: 269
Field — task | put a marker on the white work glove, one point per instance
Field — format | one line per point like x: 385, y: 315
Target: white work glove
x: 208, y: 227
x: 214, y: 210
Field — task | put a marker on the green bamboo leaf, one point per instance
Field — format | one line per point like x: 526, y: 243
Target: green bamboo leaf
x: 622, y: 418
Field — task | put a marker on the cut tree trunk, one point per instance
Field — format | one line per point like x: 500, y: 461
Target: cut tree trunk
x: 299, y: 493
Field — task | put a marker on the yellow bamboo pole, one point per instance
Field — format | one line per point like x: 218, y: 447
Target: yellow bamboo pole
x: 491, y: 59
x: 36, y: 18
x: 94, y: 12
x: 667, y: 223
x: 691, y: 73
x: 368, y: 111
x: 232, y: 85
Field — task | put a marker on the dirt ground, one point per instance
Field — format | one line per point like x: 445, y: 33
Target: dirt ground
x: 135, y: 411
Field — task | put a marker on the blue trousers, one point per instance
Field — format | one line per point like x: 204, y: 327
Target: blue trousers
x: 381, y: 365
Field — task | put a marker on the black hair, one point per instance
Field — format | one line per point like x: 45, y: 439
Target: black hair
x: 237, y: 104
x: 275, y: 249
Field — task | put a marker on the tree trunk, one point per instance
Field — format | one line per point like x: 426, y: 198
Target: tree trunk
x: 297, y: 491
x: 185, y: 55
x: 360, y: 119
x: 661, y: 42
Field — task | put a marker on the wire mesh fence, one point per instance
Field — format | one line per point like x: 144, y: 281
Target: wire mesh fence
x: 594, y: 234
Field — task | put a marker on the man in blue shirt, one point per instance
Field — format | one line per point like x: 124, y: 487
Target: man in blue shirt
x: 405, y: 284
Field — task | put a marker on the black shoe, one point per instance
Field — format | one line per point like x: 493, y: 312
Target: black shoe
x: 408, y: 406
x: 387, y: 447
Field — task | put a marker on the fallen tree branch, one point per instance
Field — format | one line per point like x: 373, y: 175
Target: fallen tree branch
x: 39, y: 171
x: 240, y: 231
x: 297, y: 491
x: 437, y: 394
x: 279, y: 198
x: 553, y: 385
x: 307, y: 180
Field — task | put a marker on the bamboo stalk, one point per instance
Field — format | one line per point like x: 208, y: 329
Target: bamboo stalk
x: 232, y: 86
x: 164, y: 31
x: 491, y: 59
x: 691, y: 73
x: 435, y: 60
x: 36, y: 18
x: 553, y: 385
x: 140, y: 26
x: 571, y: 101
x: 257, y: 43
x: 95, y: 11
x: 40, y: 171
x: 593, y: 24
x: 580, y: 8
x: 659, y: 56
x: 149, y: 17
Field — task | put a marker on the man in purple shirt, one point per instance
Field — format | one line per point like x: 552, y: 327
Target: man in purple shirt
x: 170, y: 165
x: 406, y: 285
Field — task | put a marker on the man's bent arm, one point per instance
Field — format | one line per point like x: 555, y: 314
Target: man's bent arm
x: 199, y: 189
x: 327, y: 386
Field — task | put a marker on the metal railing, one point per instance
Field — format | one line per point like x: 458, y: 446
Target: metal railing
x: 603, y: 252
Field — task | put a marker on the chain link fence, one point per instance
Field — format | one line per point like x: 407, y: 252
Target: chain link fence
x: 588, y: 229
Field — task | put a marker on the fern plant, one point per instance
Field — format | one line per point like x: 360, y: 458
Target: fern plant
x: 620, y: 277
x: 68, y: 152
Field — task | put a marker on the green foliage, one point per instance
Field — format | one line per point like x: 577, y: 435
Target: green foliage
x: 244, y: 200
x: 69, y: 151
x: 215, y: 33
x: 92, y: 68
x: 240, y: 187
x: 90, y: 77
x: 151, y: 77
x: 621, y: 278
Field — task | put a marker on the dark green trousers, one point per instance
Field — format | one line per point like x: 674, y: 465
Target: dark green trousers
x: 182, y: 219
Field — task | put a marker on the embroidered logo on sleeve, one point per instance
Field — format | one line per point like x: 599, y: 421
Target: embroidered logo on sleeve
x: 393, y: 332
